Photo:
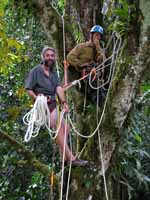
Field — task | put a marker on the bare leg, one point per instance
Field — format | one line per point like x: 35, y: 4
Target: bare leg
x: 61, y: 140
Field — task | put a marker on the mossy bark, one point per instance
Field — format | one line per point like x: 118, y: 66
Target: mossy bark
x: 89, y: 184
x: 28, y: 155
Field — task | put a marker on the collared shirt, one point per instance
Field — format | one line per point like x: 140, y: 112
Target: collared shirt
x: 41, y: 83
x: 83, y: 53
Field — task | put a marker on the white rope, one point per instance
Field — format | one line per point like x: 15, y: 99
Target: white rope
x: 102, y: 66
x: 39, y: 116
x: 99, y: 139
x: 100, y: 148
x: 85, y: 96
x: 57, y: 69
x: 101, y: 118
x: 98, y: 68
x: 64, y: 42
x: 92, y: 134
x: 74, y: 83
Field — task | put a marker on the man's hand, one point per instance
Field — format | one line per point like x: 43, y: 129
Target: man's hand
x: 32, y: 94
x: 66, y: 64
x: 65, y: 107
x: 48, y: 99
x: 86, y: 64
x: 61, y: 95
x: 96, y: 42
x: 93, y: 72
x: 101, y: 57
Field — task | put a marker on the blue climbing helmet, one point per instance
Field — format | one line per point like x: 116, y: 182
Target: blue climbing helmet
x: 98, y: 29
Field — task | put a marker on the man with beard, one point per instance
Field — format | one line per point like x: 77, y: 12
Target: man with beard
x: 43, y: 80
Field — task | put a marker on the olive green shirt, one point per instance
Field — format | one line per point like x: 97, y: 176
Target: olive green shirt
x: 83, y: 53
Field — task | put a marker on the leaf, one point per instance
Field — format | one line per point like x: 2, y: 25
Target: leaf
x: 14, y: 112
x: 36, y: 177
x: 138, y: 164
x: 144, y: 153
x: 145, y: 88
x: 6, y: 157
x: 87, y: 184
x: 146, y: 178
x: 138, y: 138
x: 3, y: 4
x: 20, y: 92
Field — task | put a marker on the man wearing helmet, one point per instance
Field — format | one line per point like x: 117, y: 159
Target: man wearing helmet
x: 43, y: 80
x: 88, y: 53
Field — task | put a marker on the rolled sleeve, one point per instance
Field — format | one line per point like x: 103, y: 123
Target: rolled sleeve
x: 30, y: 80
x: 57, y: 81
x: 74, y: 56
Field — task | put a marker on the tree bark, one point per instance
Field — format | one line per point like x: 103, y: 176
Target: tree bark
x: 86, y: 13
x: 52, y: 23
x: 121, y: 99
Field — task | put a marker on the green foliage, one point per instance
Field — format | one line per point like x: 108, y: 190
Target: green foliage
x: 121, y: 13
x: 122, y: 18
x: 135, y: 152
x: 10, y: 48
x: 59, y: 5
x: 3, y: 4
x: 145, y: 88
x: 20, y: 181
x: 23, y: 39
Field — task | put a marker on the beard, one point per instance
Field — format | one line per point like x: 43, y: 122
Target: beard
x: 49, y: 63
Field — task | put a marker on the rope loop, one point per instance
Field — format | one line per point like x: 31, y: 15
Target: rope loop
x: 38, y: 117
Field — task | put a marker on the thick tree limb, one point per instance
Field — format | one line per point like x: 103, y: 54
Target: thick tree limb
x: 29, y: 156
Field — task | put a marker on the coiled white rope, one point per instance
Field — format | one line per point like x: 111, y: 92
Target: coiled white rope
x: 38, y: 117
x: 115, y: 53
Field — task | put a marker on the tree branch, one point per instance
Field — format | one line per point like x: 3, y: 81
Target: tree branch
x: 29, y: 156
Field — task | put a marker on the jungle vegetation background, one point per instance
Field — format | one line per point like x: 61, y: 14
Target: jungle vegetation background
x: 22, y: 37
